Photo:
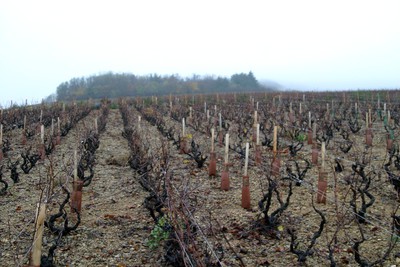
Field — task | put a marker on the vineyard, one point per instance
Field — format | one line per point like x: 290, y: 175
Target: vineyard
x: 263, y: 179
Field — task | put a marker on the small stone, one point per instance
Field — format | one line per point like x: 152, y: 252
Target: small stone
x: 243, y: 251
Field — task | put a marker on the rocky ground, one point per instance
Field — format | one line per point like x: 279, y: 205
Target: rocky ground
x: 115, y: 225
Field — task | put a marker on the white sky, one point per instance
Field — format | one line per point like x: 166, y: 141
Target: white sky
x: 300, y: 44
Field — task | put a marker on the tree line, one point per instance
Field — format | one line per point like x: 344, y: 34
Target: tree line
x: 114, y: 85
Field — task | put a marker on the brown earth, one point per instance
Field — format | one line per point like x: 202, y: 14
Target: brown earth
x: 115, y: 225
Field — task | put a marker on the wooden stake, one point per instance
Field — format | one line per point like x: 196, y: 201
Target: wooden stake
x: 275, y: 140
x: 75, y: 165
x: 1, y: 134
x: 183, y: 127
x: 96, y: 128
x: 314, y: 131
x: 42, y: 133
x: 370, y: 116
x: 246, y: 163
x: 258, y: 134
x: 323, y: 155
x: 226, y: 148
x: 52, y: 127
x: 36, y: 253
x: 212, y: 139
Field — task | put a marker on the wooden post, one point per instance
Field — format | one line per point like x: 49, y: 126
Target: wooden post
x: 183, y: 128
x: 258, y: 134
x: 52, y: 128
x: 36, y: 253
x: 75, y: 165
x: 322, y: 178
x: 212, y: 139
x: 370, y: 117
x: 246, y: 182
x: 96, y: 127
x: 41, y: 148
x: 323, y: 155
x: 258, y: 147
x: 225, y: 183
x: 246, y: 162
x: 275, y: 141
x: 314, y: 132
x: 220, y: 121
x: 226, y: 149
x: 42, y: 133
x: 276, y: 163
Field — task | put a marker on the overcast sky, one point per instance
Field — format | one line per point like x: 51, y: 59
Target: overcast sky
x: 314, y: 45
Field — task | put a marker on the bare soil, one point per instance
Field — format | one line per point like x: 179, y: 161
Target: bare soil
x: 116, y: 226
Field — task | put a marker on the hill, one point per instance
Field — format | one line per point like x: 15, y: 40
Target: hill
x: 112, y: 85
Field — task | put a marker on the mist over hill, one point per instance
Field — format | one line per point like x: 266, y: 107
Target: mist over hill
x: 114, y: 85
x: 271, y: 85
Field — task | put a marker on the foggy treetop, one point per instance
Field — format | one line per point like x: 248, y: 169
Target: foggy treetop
x: 113, y: 85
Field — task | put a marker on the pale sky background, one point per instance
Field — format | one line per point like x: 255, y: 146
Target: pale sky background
x: 315, y: 45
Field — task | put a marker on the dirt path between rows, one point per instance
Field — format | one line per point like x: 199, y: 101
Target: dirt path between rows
x: 115, y: 224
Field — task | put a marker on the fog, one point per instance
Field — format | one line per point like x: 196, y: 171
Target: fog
x: 305, y: 45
